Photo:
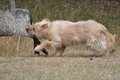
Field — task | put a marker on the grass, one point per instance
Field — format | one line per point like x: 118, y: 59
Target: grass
x: 77, y: 63
x: 72, y: 66
x: 17, y: 62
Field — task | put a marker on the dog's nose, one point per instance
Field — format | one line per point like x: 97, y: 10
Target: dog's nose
x: 27, y: 29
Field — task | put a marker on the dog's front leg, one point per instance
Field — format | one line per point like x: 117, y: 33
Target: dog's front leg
x: 37, y: 42
x: 60, y: 51
x: 43, y: 45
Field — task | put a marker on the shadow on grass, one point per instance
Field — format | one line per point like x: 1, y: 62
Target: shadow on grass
x: 91, y: 56
x: 83, y: 54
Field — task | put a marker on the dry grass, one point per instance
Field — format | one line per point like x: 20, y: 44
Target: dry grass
x: 13, y: 45
x: 77, y: 63
x: 59, y: 68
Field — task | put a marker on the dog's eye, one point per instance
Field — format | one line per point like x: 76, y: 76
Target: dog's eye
x: 33, y: 29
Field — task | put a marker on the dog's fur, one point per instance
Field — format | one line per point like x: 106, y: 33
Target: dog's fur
x: 59, y: 34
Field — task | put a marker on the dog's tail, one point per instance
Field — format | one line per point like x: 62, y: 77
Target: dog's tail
x: 115, y: 37
x: 111, y: 39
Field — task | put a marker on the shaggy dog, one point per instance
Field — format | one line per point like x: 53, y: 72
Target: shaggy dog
x: 59, y: 34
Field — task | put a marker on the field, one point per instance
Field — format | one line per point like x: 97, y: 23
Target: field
x: 17, y: 61
x: 75, y: 64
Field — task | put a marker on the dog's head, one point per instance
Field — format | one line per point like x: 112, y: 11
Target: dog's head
x: 39, y: 29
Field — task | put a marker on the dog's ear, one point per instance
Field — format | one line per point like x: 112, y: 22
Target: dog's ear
x: 44, y: 26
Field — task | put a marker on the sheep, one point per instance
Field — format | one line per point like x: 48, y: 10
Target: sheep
x: 15, y: 22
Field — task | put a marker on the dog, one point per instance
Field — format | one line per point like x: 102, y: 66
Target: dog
x: 60, y: 33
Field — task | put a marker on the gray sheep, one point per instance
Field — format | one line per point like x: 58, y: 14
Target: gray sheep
x: 15, y: 22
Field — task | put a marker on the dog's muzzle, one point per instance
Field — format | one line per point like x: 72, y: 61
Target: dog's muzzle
x: 27, y: 30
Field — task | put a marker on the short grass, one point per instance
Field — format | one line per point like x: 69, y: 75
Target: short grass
x: 17, y: 61
x: 75, y: 64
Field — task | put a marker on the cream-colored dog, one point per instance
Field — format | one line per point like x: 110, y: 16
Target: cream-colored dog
x: 59, y: 34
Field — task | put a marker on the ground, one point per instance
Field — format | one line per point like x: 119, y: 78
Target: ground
x: 73, y: 65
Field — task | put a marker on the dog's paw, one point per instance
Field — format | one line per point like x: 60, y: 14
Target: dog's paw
x: 37, y: 48
x: 36, y: 52
x: 45, y: 51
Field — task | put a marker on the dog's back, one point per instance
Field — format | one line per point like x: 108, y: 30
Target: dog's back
x: 88, y: 32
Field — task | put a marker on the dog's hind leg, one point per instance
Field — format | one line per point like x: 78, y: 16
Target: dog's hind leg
x: 108, y: 50
x: 37, y: 42
x: 60, y: 51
